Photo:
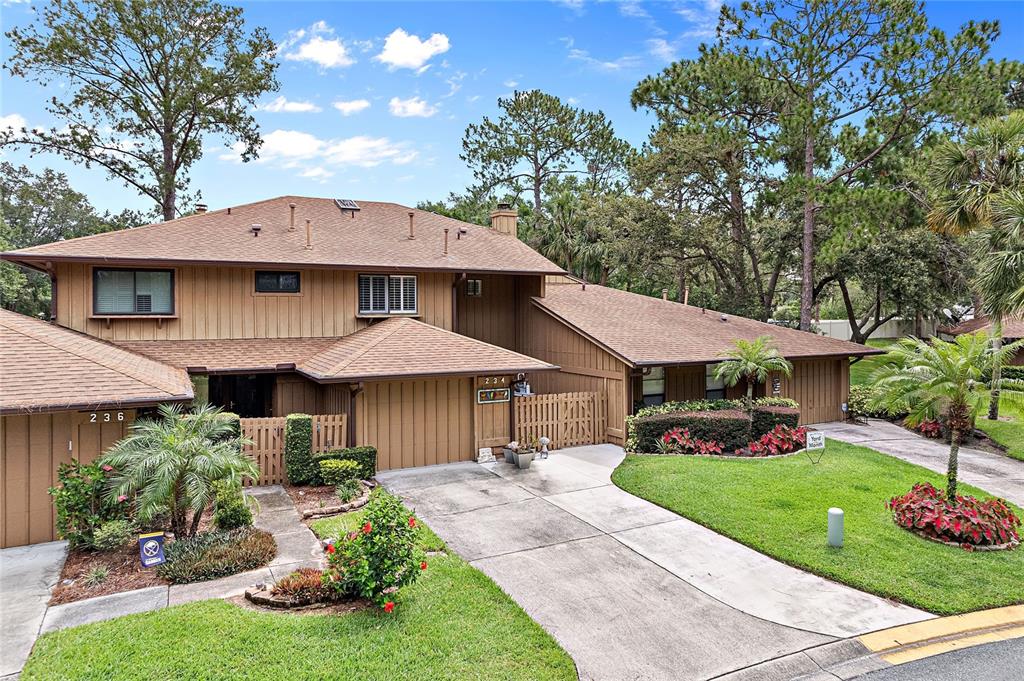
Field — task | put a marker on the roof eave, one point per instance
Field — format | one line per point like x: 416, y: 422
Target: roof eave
x: 7, y: 410
x: 322, y: 378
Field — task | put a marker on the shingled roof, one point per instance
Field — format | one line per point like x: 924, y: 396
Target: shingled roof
x: 643, y: 330
x: 398, y: 347
x: 45, y: 368
x: 376, y: 237
x: 1013, y: 327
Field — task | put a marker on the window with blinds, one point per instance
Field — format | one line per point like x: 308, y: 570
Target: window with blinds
x: 714, y: 387
x: 387, y: 294
x: 277, y: 282
x: 144, y: 292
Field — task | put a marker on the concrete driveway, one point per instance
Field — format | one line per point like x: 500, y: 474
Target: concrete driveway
x: 27, y: 573
x: 630, y: 590
x: 992, y: 472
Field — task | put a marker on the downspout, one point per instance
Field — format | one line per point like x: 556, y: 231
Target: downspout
x: 53, y: 296
x: 354, y: 390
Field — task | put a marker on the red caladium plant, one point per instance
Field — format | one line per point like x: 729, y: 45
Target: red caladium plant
x: 781, y: 439
x: 930, y: 428
x: 965, y: 520
x: 679, y: 441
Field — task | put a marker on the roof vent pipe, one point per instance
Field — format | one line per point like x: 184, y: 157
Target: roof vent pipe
x: 686, y: 296
x: 201, y: 207
x: 664, y: 294
x: 309, y: 234
x: 412, y: 234
x: 446, y: 241
x: 256, y: 227
x: 291, y: 217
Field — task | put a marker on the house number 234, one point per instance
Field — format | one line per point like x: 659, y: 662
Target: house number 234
x: 106, y: 417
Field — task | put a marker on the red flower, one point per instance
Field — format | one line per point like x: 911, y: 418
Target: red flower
x: 423, y: 565
x: 122, y: 498
x: 367, y: 528
x: 108, y: 468
x: 412, y: 521
x: 330, y: 548
x: 389, y: 606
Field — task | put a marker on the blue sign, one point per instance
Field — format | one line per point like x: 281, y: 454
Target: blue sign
x: 151, y: 549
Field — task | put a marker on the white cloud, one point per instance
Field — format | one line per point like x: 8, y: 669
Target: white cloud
x: 316, y: 44
x: 351, y: 107
x: 15, y: 121
x: 633, y: 8
x: 414, y: 107
x: 318, y: 159
x: 619, y: 64
x: 282, y: 104
x: 662, y: 49
x: 454, y: 83
x: 510, y: 83
x: 405, y: 51
x: 702, y: 15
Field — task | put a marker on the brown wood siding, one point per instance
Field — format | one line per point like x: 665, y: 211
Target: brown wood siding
x: 32, y: 447
x: 491, y: 316
x: 820, y: 386
x: 492, y: 423
x: 417, y: 422
x: 585, y: 367
x: 294, y: 394
x: 221, y: 302
x: 685, y: 383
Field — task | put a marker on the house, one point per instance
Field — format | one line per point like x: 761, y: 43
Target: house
x: 417, y: 329
x: 1013, y: 330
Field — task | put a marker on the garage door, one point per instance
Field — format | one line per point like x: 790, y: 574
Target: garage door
x: 32, y: 447
x: 820, y: 386
x: 417, y: 422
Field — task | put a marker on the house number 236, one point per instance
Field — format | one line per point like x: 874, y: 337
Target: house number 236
x: 106, y: 417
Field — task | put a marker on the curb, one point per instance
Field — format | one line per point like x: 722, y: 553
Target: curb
x: 853, y: 657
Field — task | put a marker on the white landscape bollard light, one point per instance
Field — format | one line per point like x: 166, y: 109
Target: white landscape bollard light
x: 835, y: 527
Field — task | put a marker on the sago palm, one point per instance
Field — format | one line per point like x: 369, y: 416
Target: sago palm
x: 753, y: 361
x: 944, y: 380
x: 968, y: 179
x: 171, y: 462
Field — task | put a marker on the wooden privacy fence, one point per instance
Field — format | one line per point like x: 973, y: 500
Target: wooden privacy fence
x: 569, y: 419
x: 267, y: 448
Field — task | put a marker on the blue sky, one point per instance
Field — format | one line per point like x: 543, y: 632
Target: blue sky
x: 375, y: 97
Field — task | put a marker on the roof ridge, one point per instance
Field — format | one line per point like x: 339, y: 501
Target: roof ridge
x: 399, y: 324
x: 71, y: 350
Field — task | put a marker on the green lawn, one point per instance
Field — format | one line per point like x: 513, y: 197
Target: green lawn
x: 453, y: 623
x: 778, y: 507
x: 860, y: 372
x: 1009, y: 434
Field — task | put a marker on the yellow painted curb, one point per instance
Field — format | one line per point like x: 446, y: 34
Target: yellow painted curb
x: 919, y: 652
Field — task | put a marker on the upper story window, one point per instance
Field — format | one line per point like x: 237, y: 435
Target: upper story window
x: 714, y: 388
x: 122, y: 291
x: 277, y: 282
x: 387, y: 294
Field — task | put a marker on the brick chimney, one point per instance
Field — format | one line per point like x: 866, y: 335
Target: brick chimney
x: 505, y: 219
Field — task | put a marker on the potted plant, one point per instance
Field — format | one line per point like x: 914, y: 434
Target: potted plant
x: 524, y: 458
x: 510, y: 451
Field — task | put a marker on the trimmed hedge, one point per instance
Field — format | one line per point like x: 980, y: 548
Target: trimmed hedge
x: 727, y: 426
x: 766, y: 417
x: 298, y: 450
x: 365, y: 456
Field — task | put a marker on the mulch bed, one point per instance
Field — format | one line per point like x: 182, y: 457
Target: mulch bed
x: 125, y: 573
x: 339, y: 608
x: 313, y: 499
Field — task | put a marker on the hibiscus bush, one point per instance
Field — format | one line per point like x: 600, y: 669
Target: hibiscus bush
x: 679, y: 441
x: 966, y: 520
x: 82, y: 503
x: 781, y: 439
x: 380, y: 557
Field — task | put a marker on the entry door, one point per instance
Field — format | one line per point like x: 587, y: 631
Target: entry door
x: 95, y: 431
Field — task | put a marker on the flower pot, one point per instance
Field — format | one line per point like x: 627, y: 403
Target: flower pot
x: 510, y: 456
x: 524, y: 459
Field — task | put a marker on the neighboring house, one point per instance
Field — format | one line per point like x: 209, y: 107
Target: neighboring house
x: 402, y: 320
x: 1013, y: 330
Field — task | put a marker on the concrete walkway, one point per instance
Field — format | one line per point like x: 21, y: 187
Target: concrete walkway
x: 28, y: 574
x: 629, y: 589
x: 994, y: 473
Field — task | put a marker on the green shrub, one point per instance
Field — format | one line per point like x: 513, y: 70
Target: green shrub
x: 298, y: 450
x: 766, y: 417
x: 229, y: 508
x: 82, y: 502
x: 211, y: 555
x: 347, y: 490
x: 96, y: 576
x: 729, y: 427
x: 336, y: 471
x: 860, y: 404
x: 112, y: 535
x: 776, y: 402
x: 365, y: 456
x: 380, y: 557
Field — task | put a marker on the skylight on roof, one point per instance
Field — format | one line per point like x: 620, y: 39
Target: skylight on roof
x: 346, y: 204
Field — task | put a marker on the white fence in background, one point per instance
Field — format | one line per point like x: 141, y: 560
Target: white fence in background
x: 894, y: 328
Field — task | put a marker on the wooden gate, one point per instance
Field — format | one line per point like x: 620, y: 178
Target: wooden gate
x: 267, y: 448
x: 569, y: 419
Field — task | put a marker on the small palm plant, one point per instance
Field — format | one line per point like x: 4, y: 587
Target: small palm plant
x: 944, y: 380
x: 752, y: 361
x: 172, y: 461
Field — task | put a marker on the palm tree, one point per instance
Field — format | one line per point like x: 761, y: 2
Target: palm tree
x: 752, y: 361
x: 940, y: 379
x: 968, y: 178
x: 171, y: 463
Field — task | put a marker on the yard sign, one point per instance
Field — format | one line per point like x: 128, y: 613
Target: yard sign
x: 151, y: 549
x: 815, y: 440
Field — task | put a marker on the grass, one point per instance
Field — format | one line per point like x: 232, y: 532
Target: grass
x: 860, y: 372
x: 452, y: 623
x: 1008, y: 434
x: 778, y: 507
